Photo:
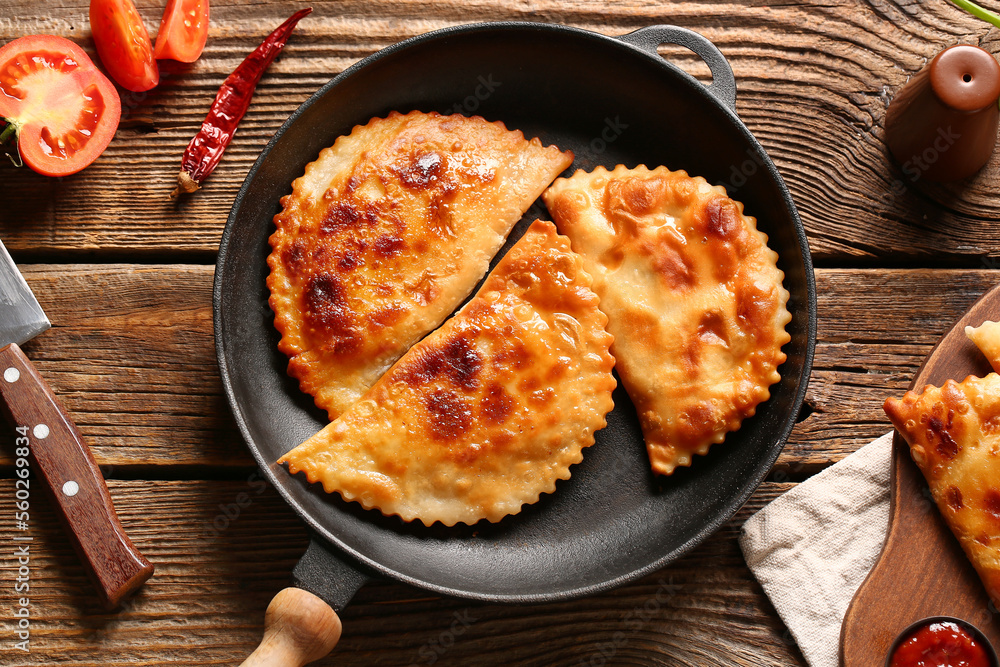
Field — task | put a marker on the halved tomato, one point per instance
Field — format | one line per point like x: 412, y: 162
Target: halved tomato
x: 123, y: 44
x: 183, y: 30
x: 64, y: 111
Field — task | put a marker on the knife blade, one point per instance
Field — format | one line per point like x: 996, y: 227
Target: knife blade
x: 58, y: 455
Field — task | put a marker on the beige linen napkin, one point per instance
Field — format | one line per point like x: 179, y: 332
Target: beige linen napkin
x: 811, y: 548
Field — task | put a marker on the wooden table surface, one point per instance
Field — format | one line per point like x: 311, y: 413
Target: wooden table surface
x: 125, y: 276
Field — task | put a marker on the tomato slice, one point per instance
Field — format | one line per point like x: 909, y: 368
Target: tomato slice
x: 65, y: 112
x: 123, y: 44
x: 183, y: 31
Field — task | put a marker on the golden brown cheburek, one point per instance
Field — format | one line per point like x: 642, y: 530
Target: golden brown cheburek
x: 386, y: 233
x: 487, y: 412
x: 954, y: 437
x: 987, y: 338
x: 693, y: 296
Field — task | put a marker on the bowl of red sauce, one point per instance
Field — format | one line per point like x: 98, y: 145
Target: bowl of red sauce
x: 941, y: 641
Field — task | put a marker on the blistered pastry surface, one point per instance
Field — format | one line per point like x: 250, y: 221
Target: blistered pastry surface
x: 386, y: 233
x: 487, y: 412
x: 954, y: 437
x: 693, y: 295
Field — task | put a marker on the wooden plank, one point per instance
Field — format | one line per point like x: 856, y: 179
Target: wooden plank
x: 131, y: 354
x: 206, y: 602
x: 815, y: 78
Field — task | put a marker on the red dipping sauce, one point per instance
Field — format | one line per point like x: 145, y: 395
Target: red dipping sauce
x: 940, y: 644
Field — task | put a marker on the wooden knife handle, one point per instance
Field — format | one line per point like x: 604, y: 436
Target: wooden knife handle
x: 66, y: 467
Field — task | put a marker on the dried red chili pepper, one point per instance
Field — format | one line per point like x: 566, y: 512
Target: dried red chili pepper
x: 206, y: 148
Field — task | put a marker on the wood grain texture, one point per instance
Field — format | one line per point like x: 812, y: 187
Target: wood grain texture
x: 299, y: 628
x: 922, y: 570
x: 136, y: 368
x: 815, y: 78
x: 131, y: 355
x: 213, y: 581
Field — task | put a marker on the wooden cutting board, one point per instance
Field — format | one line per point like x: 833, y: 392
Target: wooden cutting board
x: 922, y: 570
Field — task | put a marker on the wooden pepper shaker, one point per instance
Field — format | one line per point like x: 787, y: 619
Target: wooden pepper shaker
x: 942, y: 125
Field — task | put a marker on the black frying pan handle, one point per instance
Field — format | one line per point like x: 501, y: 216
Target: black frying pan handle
x: 328, y: 575
x: 723, y: 85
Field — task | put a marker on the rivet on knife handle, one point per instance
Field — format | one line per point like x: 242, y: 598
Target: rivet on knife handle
x: 77, y: 487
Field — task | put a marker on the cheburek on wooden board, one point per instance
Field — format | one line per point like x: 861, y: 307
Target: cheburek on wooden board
x: 954, y: 436
x: 492, y: 407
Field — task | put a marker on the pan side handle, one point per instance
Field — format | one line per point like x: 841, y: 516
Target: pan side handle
x: 723, y: 85
x: 327, y: 575
x: 301, y: 623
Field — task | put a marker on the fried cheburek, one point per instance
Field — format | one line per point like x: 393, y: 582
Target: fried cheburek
x: 987, y: 338
x: 954, y: 437
x: 386, y: 233
x: 693, y: 296
x: 487, y: 412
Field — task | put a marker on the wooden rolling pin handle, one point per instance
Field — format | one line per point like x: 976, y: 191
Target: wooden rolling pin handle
x: 298, y: 629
